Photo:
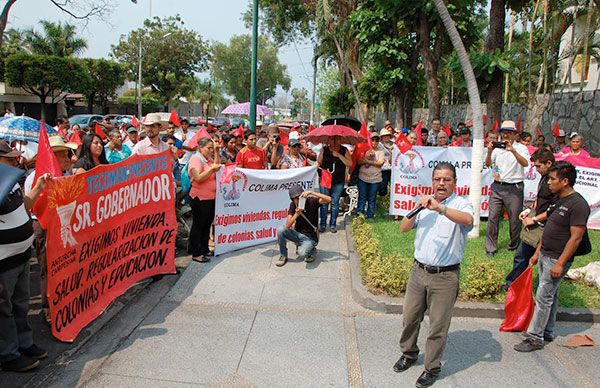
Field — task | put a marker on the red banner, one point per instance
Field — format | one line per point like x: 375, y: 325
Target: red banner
x: 108, y: 229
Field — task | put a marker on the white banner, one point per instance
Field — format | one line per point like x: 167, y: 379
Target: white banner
x: 254, y: 204
x: 412, y: 171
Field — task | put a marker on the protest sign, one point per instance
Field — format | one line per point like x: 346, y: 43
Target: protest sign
x: 253, y: 204
x: 412, y: 172
x: 108, y: 229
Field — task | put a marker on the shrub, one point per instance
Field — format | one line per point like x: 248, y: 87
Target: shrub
x: 482, y: 281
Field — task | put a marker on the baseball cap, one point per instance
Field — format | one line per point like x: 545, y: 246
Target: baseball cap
x: 295, y: 191
x: 7, y: 152
x: 465, y: 131
x: 508, y: 125
x: 131, y: 129
x: 293, y: 142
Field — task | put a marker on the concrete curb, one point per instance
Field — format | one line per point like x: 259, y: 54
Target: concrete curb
x: 393, y: 305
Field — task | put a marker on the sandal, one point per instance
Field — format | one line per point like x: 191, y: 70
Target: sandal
x: 201, y: 259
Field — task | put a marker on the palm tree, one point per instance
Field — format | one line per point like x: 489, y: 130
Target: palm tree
x: 55, y: 39
x: 477, y: 163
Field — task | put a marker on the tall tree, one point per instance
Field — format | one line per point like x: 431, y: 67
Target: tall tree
x: 231, y: 66
x: 84, y: 10
x: 171, y: 56
x: 103, y: 78
x: 56, y: 39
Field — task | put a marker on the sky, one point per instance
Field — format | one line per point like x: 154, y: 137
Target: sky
x: 213, y: 20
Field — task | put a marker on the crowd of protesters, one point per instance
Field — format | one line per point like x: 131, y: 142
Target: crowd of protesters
x: 199, y: 159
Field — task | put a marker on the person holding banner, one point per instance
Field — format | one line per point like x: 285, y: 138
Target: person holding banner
x: 334, y: 158
x: 442, y: 226
x: 300, y: 227
x: 91, y: 155
x: 202, y: 170
x: 575, y: 146
x: 564, y: 237
x: 509, y: 158
x: 370, y: 177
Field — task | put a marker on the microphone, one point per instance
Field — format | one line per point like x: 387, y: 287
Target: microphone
x: 416, y: 210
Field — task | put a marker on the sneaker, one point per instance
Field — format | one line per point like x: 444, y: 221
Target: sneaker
x: 281, y: 262
x: 333, y: 229
x: 528, y: 345
x: 20, y: 364
x: 34, y: 351
x: 321, y: 229
x: 548, y: 338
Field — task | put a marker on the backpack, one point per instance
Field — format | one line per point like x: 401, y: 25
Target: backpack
x: 186, y: 182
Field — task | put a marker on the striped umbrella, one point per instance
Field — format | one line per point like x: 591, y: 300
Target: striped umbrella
x: 22, y: 128
x: 244, y: 109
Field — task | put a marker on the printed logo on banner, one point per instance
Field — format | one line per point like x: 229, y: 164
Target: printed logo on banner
x: 409, y: 162
x: 233, y: 190
x: 530, y: 174
x: 64, y: 199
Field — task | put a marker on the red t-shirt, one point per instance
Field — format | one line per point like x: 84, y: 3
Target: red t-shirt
x: 254, y: 159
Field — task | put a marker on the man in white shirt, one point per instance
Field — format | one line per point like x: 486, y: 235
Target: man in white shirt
x: 185, y: 135
x: 509, y: 158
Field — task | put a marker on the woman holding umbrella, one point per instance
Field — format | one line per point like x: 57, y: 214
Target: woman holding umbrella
x: 333, y: 158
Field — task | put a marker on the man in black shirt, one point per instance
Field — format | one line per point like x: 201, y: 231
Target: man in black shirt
x: 564, y: 231
x: 301, y: 225
x: 542, y: 160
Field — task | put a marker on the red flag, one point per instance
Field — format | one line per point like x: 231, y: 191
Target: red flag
x: 193, y: 143
x: 519, y: 304
x: 311, y: 128
x: 135, y: 122
x: 518, y: 126
x: 239, y: 132
x: 418, y: 133
x: 361, y: 148
x: 403, y: 143
x: 46, y: 162
x: 495, y: 127
x: 75, y: 138
x: 100, y: 132
x: 539, y: 131
x: 227, y: 173
x: 484, y: 119
x: 285, y: 138
x: 556, y: 129
x: 174, y: 118
x: 62, y: 133
x: 446, y: 129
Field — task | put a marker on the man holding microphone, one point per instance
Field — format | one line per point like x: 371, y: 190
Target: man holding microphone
x: 442, y: 224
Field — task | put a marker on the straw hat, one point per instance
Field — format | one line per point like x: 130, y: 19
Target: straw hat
x: 154, y: 118
x: 58, y: 144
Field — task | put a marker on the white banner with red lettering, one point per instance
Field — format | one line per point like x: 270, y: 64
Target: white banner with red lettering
x: 412, y: 171
x: 253, y: 204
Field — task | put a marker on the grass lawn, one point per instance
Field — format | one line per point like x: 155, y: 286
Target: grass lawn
x: 477, y: 271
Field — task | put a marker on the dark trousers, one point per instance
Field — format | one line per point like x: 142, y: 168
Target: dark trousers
x: 15, y: 331
x: 386, y: 176
x: 511, y: 197
x: 203, y: 214
x: 436, y: 292
x: 520, y: 262
x: 40, y: 252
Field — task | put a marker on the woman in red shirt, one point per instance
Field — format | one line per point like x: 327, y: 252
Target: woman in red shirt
x: 202, y: 170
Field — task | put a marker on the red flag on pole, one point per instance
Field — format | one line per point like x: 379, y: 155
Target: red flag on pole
x: 311, y: 128
x: 495, y: 127
x: 418, y: 129
x: 446, y: 129
x: 193, y: 143
x: 100, y: 132
x: 285, y: 138
x: 556, y: 129
x: 484, y: 119
x: 518, y: 126
x: 361, y: 148
x: 135, y: 122
x: 402, y: 142
x: 46, y: 163
x: 174, y: 118
x: 239, y: 132
x: 75, y: 138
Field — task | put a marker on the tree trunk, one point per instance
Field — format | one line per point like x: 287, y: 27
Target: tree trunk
x: 399, y: 104
x: 409, y: 101
x: 511, y: 30
x: 346, y: 70
x: 90, y: 102
x: 495, y: 41
x: 4, y: 19
x: 477, y: 156
x: 431, y: 60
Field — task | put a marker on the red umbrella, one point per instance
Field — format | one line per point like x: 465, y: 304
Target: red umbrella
x: 326, y: 133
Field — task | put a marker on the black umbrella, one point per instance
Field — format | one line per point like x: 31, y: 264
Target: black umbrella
x: 10, y: 176
x: 343, y: 120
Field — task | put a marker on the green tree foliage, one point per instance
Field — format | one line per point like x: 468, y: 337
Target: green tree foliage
x: 103, y: 79
x: 56, y: 39
x: 300, y: 104
x: 172, y: 55
x: 46, y: 76
x: 340, y: 102
x: 211, y: 93
x: 231, y: 66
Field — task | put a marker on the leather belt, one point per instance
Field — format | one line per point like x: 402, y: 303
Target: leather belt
x: 435, y: 269
x: 508, y: 184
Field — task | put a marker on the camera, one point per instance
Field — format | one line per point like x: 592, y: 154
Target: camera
x: 498, y: 144
x: 277, y: 138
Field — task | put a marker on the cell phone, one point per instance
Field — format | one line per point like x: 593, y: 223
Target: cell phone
x: 301, y: 202
x: 498, y: 144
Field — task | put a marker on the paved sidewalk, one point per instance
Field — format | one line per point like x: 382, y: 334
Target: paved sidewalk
x: 240, y: 321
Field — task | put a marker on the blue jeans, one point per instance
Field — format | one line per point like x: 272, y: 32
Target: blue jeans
x: 546, y: 300
x: 367, y: 194
x: 335, y: 193
x: 306, y: 245
x: 520, y: 262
